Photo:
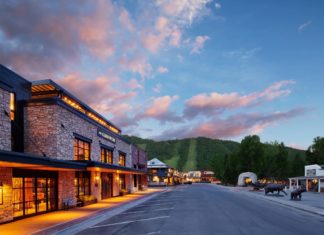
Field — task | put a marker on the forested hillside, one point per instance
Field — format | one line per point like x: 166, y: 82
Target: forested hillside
x: 200, y: 153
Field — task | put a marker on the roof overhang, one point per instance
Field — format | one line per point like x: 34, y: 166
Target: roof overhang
x: 104, y: 167
x: 28, y: 161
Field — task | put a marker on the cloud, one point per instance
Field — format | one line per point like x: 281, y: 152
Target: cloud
x: 159, y: 109
x: 242, y: 54
x: 102, y: 95
x: 138, y: 64
x: 162, y: 69
x: 218, y: 6
x: 304, y: 26
x: 213, y: 103
x: 157, y: 88
x: 232, y: 126
x: 126, y: 21
x: 40, y: 39
x: 198, y: 44
x: 183, y: 12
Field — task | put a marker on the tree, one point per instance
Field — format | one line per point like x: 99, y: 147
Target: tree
x: 231, y: 171
x: 297, y: 166
x: 251, y: 153
x: 281, y: 162
x: 315, y: 153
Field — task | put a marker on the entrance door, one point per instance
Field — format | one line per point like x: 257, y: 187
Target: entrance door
x: 106, y: 185
x: 33, y: 194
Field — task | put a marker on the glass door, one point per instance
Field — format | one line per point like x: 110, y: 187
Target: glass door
x: 32, y: 195
x: 17, y: 197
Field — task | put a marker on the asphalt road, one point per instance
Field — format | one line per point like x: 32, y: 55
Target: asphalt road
x: 208, y: 209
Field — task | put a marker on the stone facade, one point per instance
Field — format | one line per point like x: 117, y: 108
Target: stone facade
x: 66, y: 189
x: 6, y: 210
x: 50, y: 129
x: 5, y: 123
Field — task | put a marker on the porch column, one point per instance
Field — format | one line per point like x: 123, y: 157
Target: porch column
x: 319, y: 185
x: 307, y: 185
x: 290, y: 186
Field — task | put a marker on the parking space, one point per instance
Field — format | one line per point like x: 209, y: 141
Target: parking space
x: 146, y: 218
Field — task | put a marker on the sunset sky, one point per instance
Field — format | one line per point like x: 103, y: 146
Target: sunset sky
x: 180, y: 68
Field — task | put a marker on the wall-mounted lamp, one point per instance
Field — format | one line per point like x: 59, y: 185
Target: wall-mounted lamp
x: 97, y: 178
x: 1, y: 193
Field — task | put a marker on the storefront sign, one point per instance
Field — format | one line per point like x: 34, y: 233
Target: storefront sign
x: 311, y: 172
x: 106, y: 136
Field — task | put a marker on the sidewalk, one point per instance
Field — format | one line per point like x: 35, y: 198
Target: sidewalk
x: 55, y: 221
x: 311, y: 202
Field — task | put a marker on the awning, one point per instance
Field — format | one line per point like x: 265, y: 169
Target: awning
x: 32, y: 162
x: 105, y: 167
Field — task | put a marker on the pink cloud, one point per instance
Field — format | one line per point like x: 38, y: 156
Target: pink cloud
x: 160, y: 109
x: 102, y: 95
x: 216, y: 102
x: 126, y: 21
x: 198, y: 44
x: 50, y: 39
x: 175, y: 38
x: 137, y: 64
x: 160, y: 106
x: 233, y: 126
x: 162, y: 69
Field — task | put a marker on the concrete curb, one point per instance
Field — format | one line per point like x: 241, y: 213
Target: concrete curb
x: 77, y: 225
x: 305, y: 208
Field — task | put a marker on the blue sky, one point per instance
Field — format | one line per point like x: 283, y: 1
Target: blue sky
x: 181, y: 68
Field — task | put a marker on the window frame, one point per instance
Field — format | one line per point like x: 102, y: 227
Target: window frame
x: 122, y: 159
x: 77, y: 148
x: 105, y: 157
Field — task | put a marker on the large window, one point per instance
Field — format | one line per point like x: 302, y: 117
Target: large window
x: 33, y: 195
x: 12, y: 106
x: 122, y: 159
x: 82, y: 183
x: 81, y: 150
x: 106, y: 156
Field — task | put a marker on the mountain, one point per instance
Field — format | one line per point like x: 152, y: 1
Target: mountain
x: 194, y: 153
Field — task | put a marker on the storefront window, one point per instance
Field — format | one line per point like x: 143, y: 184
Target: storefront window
x: 82, y: 183
x: 33, y: 195
x: 81, y: 150
x: 106, y: 156
x: 122, y: 159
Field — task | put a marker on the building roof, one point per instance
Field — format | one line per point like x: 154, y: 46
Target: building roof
x: 46, y: 86
x: 156, y: 163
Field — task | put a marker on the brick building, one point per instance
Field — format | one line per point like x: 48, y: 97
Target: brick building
x: 56, y: 151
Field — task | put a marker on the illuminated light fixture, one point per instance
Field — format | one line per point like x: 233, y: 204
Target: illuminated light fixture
x: 91, y: 115
x: 12, y: 106
x: 97, y: 178
x: 1, y: 193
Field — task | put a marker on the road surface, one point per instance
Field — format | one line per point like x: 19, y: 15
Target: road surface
x: 209, y: 209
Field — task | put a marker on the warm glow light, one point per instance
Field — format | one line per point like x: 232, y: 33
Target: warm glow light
x: 12, y: 106
x: 94, y: 117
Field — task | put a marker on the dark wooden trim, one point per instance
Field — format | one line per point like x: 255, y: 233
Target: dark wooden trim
x: 81, y: 137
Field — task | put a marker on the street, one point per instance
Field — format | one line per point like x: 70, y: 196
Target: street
x: 209, y: 209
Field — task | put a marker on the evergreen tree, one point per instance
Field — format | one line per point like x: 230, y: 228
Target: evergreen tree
x: 281, y: 162
x: 315, y: 153
x: 297, y: 166
x: 251, y: 154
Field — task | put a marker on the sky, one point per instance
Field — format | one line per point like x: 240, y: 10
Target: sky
x: 172, y: 69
